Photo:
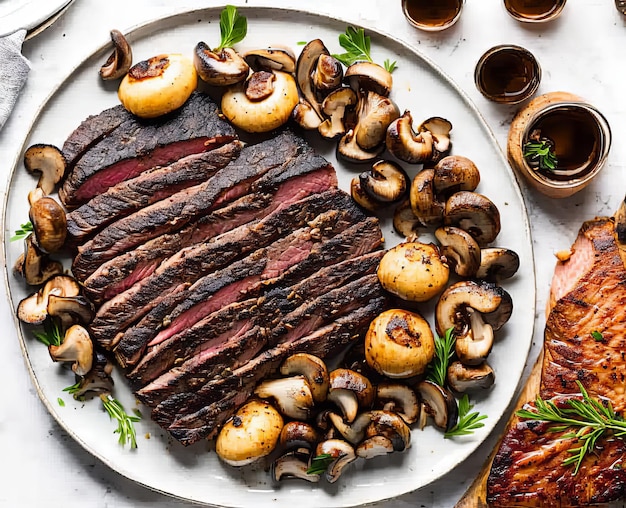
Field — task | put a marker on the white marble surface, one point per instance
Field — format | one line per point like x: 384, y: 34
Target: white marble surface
x: 581, y: 52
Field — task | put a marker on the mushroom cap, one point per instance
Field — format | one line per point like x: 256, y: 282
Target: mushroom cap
x: 369, y: 76
x: 271, y: 59
x: 406, y: 144
x: 439, y: 403
x: 398, y: 398
x: 375, y: 113
x: 292, y: 395
x: 440, y: 129
x: 219, y: 68
x: 120, y: 61
x: 305, y: 66
x: 313, y: 369
x: 475, y: 213
x: 158, y: 86
x: 455, y: 173
x: 263, y: 115
x: 47, y: 160
x: 298, y: 434
x: 460, y: 249
x: 424, y: 201
x: 49, y: 223
x: 463, y: 378
x: 250, y: 435
x: 355, y: 382
x: 386, y: 181
x: 76, y: 347
x: 391, y: 426
x: 328, y: 74
x: 497, y: 263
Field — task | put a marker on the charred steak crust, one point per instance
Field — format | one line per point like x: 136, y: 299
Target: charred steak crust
x: 137, y: 145
x: 589, y: 294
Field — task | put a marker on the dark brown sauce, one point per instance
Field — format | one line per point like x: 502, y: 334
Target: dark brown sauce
x: 576, y: 138
x: 431, y: 13
x: 533, y: 9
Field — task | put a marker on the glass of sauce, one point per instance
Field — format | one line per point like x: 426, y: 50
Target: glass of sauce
x: 507, y: 74
x: 534, y: 11
x: 432, y: 15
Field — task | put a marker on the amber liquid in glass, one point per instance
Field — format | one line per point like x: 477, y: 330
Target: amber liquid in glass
x: 432, y: 13
x: 507, y: 74
x: 533, y: 9
x: 576, y: 138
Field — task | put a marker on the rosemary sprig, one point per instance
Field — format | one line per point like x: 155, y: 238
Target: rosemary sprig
x: 357, y: 48
x: 390, y: 66
x: 320, y: 463
x: 22, y: 232
x: 233, y: 27
x: 125, y: 422
x: 591, y: 417
x: 51, y: 334
x: 468, y: 422
x: 541, y: 154
x: 444, y: 350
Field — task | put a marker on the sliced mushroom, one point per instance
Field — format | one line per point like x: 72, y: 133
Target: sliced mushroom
x: 386, y: 182
x: 438, y: 403
x: 120, y: 60
x: 349, y: 149
x: 440, y: 129
x: 406, y: 144
x: 271, y: 59
x: 297, y: 434
x: 474, y: 346
x: 463, y: 378
x: 47, y: 160
x: 374, y: 446
x: 400, y: 399
x: 424, y: 201
x: 460, y: 249
x: 328, y: 75
x: 292, y: 396
x: 49, y: 224
x: 353, y: 432
x: 34, y: 308
x: 350, y: 391
x: 222, y: 68
x: 390, y: 425
x: 369, y: 76
x: 305, y: 116
x: 34, y: 265
x: 497, y: 263
x: 313, y: 369
x: 98, y: 380
x: 362, y: 198
x: 76, y: 347
x: 474, y: 213
x: 404, y: 220
x: 455, y: 173
x: 305, y: 66
x: 292, y: 465
x: 334, y: 107
x: 342, y: 454
x: 70, y: 309
x: 374, y: 114
x: 268, y: 112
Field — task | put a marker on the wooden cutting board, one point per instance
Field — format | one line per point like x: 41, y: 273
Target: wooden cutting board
x: 476, y: 495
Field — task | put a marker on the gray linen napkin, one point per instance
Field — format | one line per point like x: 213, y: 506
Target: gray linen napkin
x: 14, y: 70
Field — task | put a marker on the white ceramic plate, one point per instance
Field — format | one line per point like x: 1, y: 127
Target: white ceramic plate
x: 26, y: 14
x: 194, y: 473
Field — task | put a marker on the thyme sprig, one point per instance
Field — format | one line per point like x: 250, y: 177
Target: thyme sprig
x: 125, y: 422
x: 233, y: 27
x: 357, y: 47
x: 541, y: 154
x: 320, y: 463
x: 593, y: 418
x: 22, y: 232
x: 444, y: 350
x: 468, y: 422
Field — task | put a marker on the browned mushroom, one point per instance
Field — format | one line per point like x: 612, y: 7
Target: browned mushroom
x: 120, y: 61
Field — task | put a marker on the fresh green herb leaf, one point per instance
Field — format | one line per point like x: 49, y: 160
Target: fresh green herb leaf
x: 444, y: 350
x: 468, y: 422
x: 597, y: 336
x: 301, y: 43
x: 233, y: 27
x: 60, y: 401
x: 51, y: 334
x: 125, y: 422
x: 320, y: 463
x: 541, y: 154
x: 591, y: 417
x: 390, y: 66
x: 22, y: 232
x: 356, y: 45
x: 72, y: 389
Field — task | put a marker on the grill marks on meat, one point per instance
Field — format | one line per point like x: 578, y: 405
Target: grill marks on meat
x: 210, y: 270
x: 588, y: 294
x: 137, y: 145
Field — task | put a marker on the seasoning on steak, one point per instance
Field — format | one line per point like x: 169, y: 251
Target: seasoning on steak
x: 138, y: 145
x: 588, y: 295
x: 149, y: 187
x: 305, y: 174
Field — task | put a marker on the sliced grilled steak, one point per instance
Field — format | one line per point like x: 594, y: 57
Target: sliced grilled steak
x: 201, y: 343
x: 190, y: 417
x: 138, y: 145
x: 170, y: 316
x: 149, y: 187
x: 310, y: 174
x: 121, y: 272
x: 91, y: 131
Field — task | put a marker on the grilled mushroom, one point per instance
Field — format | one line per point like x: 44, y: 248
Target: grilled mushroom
x: 328, y: 75
x: 386, y: 181
x: 342, y: 454
x: 49, y: 224
x: 425, y: 202
x: 77, y: 348
x: 463, y: 378
x: 438, y: 403
x: 350, y: 391
x: 369, y: 76
x: 271, y: 59
x: 219, y: 68
x: 374, y: 446
x: 292, y: 395
x: 353, y: 432
x: 34, y: 265
x: 120, y: 60
x: 404, y: 220
x: 305, y: 66
x: 474, y: 213
x: 34, y: 308
x: 460, y: 250
x: 305, y: 116
x: 391, y: 426
x: 47, y: 160
x: 455, y: 173
x: 497, y: 263
x: 361, y: 197
x: 313, y: 369
x: 297, y: 435
x: 70, y: 309
x: 400, y: 399
x: 334, y: 107
x: 406, y: 144
x: 98, y: 380
x: 293, y: 465
x: 374, y: 114
x: 440, y: 129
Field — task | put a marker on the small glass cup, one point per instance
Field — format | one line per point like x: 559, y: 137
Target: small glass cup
x: 507, y: 74
x: 432, y: 16
x: 534, y: 11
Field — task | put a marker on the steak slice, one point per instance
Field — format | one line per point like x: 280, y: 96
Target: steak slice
x: 139, y: 144
x: 195, y: 262
x: 588, y: 295
x: 149, y: 187
x: 91, y: 131
x: 198, y: 346
x: 190, y: 417
x: 311, y: 173
x: 160, y: 323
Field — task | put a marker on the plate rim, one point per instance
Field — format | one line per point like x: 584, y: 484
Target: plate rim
x: 143, y: 29
x: 27, y: 17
